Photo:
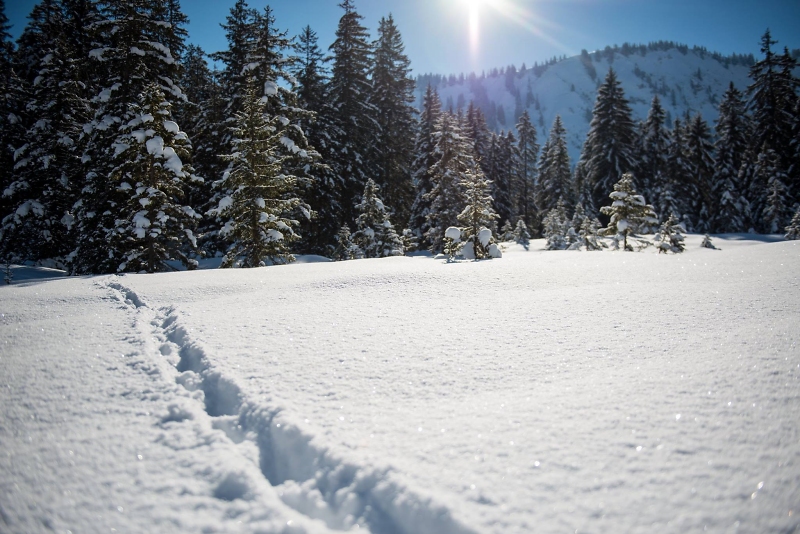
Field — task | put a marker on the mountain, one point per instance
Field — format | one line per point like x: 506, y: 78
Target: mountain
x: 686, y: 79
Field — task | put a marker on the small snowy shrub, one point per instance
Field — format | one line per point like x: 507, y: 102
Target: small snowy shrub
x: 521, y: 234
x: 707, y: 242
x: 452, y: 243
x: 793, y: 230
x: 670, y: 238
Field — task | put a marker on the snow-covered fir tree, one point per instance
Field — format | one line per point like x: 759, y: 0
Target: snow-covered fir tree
x: 261, y: 195
x: 555, y: 227
x: 589, y: 234
x: 10, y: 124
x: 707, y: 242
x: 775, y: 213
x: 345, y: 248
x: 393, y: 98
x: 424, y: 159
x: 476, y: 129
x: 153, y: 225
x: 375, y: 235
x: 48, y: 155
x: 628, y: 212
x: 352, y: 154
x: 478, y: 216
x: 454, y: 159
x: 608, y: 151
x: 670, y: 236
x: 507, y: 231
x: 555, y: 176
x: 733, y: 137
x: 773, y: 97
x: 521, y: 234
x: 675, y: 193
x: 793, y: 230
x: 527, y: 155
x: 505, y: 186
x: 133, y: 52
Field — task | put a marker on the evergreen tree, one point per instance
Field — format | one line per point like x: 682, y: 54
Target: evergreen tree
x: 507, y: 231
x: 424, y: 159
x: 527, y: 154
x: 521, y: 234
x: 555, y: 176
x: 654, y: 151
x: 670, y: 237
x: 375, y: 234
x: 345, y: 248
x: 608, y: 151
x: 700, y: 162
x: 153, y: 225
x: 556, y: 225
x: 393, y: 98
x: 10, y: 123
x: 476, y: 129
x: 351, y: 156
x: 48, y: 158
x: 505, y: 189
x: 477, y: 216
x: 793, y: 230
x: 628, y: 211
x: 773, y: 96
x: 775, y: 212
x: 133, y: 53
x: 589, y: 234
x: 676, y: 192
x: 260, y: 193
x: 454, y: 159
x: 733, y: 135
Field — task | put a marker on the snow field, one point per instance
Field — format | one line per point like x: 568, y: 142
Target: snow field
x: 546, y: 392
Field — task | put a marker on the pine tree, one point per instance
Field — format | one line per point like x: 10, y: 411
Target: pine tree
x: 393, y: 97
x: 352, y: 154
x: 10, y: 123
x: 345, y: 248
x: 153, y: 225
x: 375, y: 234
x: 589, y: 234
x: 507, y: 232
x: 555, y: 176
x: 608, y: 151
x: 772, y: 99
x: 670, y: 237
x: 676, y: 191
x: 556, y: 225
x: 654, y: 151
x: 454, y: 158
x: 48, y: 160
x: 476, y: 129
x: 793, y: 230
x: 700, y: 162
x: 477, y: 216
x: 260, y: 194
x: 424, y: 158
x: 521, y: 234
x: 775, y: 214
x: 503, y: 176
x: 527, y: 154
x: 628, y: 211
x: 733, y: 135
x: 133, y: 53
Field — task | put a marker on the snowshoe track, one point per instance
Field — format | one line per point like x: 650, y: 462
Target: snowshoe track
x: 310, y: 479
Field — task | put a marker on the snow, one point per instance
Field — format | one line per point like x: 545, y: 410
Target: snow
x: 172, y: 127
x: 484, y: 236
x: 453, y: 233
x: 568, y: 392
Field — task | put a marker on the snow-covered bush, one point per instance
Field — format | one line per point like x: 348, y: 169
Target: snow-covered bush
x: 507, y: 231
x: 670, y: 237
x: 556, y: 226
x: 589, y: 234
x: 707, y: 242
x: 452, y: 242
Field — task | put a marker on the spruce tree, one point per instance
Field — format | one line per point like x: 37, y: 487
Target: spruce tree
x: 476, y: 129
x: 608, y: 151
x: 503, y: 176
x: 773, y: 215
x: 555, y: 227
x: 477, y: 215
x: 345, y: 248
x: 352, y: 153
x: 628, y: 212
x: 256, y: 212
x: 793, y: 230
x: 670, y: 236
x: 527, y: 154
x: 424, y: 159
x: 10, y: 123
x: 153, y: 225
x: 676, y: 192
x: 733, y: 135
x: 555, y: 176
x: 521, y: 234
x: 654, y: 151
x: 393, y: 98
x: 454, y: 158
x: 375, y: 234
x: 772, y: 99
x: 700, y: 162
x: 134, y: 37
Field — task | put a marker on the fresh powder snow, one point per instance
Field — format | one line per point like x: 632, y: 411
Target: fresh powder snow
x: 547, y: 391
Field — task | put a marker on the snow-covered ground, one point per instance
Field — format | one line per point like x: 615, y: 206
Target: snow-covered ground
x: 541, y: 392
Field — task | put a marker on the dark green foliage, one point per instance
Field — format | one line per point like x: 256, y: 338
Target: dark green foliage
x: 424, y: 159
x: 375, y: 234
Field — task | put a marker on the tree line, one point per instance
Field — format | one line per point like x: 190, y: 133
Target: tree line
x: 123, y: 151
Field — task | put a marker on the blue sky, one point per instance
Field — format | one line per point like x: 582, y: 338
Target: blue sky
x: 453, y: 36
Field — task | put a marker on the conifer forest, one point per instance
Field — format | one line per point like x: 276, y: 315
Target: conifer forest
x: 123, y: 150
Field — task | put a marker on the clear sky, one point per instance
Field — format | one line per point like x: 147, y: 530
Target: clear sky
x: 454, y: 36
